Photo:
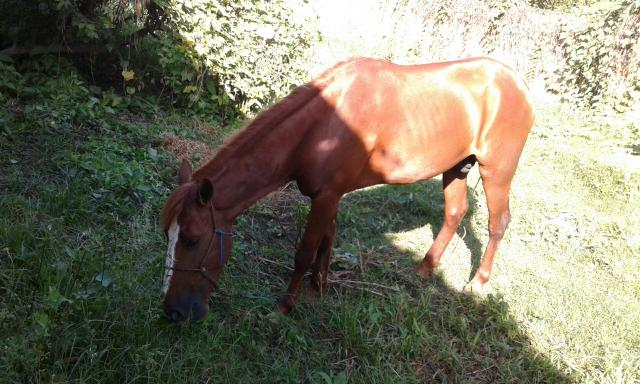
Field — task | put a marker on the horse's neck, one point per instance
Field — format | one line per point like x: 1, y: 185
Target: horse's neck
x: 260, y: 158
x: 247, y: 173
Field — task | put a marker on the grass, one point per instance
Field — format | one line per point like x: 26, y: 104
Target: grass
x: 82, y: 259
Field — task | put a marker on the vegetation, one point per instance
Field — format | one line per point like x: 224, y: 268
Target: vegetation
x: 86, y: 163
x: 603, y: 58
x: 562, y: 5
x: 588, y: 55
x: 216, y: 58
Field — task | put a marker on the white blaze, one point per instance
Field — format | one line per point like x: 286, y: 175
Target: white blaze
x: 174, y: 231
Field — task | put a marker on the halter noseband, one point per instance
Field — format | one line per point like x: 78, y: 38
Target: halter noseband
x: 202, y: 269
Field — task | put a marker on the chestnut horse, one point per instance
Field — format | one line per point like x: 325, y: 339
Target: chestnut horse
x: 362, y: 122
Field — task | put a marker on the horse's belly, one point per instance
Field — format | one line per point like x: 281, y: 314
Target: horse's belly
x: 409, y: 158
x: 399, y: 168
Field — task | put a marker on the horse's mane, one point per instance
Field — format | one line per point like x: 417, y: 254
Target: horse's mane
x: 259, y: 127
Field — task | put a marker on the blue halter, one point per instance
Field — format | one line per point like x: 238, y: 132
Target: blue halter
x: 222, y: 234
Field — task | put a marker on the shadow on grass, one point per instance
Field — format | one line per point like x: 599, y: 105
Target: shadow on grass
x: 394, y: 209
x: 460, y: 337
x: 442, y: 333
x: 379, y: 322
x: 62, y: 324
x: 413, y: 332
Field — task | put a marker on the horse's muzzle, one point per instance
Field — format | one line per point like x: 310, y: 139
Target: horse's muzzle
x: 185, y: 310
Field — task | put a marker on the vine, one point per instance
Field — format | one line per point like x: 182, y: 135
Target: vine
x: 498, y: 10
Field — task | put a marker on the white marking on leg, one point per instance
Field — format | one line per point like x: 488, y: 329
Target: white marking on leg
x: 174, y: 231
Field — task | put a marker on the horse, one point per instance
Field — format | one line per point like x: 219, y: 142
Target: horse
x: 362, y: 122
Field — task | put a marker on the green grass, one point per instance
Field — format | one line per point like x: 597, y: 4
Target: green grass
x: 81, y: 261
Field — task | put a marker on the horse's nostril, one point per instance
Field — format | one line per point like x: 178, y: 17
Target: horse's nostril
x: 176, y: 316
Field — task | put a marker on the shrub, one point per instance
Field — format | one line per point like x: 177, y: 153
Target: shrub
x: 253, y: 50
x: 603, y: 57
x: 215, y: 56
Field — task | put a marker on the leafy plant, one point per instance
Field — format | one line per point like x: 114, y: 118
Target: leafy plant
x: 603, y: 58
x: 246, y: 53
x: 562, y: 5
x: 214, y: 57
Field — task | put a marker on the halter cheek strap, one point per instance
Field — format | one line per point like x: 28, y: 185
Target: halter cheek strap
x: 222, y: 234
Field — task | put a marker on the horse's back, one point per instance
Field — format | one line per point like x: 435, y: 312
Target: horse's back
x: 410, y: 122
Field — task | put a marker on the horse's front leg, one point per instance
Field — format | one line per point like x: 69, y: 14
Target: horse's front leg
x: 320, y: 268
x: 320, y: 227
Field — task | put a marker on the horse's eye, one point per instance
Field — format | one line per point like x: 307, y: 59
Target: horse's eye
x: 190, y: 243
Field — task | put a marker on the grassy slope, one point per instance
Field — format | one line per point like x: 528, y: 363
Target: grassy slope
x: 82, y: 254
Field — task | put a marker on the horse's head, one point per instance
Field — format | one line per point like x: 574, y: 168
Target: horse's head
x: 197, y: 249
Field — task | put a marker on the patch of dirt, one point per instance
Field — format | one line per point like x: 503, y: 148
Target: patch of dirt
x: 187, y: 149
x: 132, y: 118
x: 204, y: 127
x: 284, y: 197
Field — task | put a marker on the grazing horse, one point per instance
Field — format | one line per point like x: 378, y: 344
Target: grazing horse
x: 362, y: 122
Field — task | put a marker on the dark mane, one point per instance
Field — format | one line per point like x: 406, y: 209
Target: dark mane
x: 175, y: 204
x: 273, y: 116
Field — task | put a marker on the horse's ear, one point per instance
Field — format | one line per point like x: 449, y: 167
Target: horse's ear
x: 184, y: 173
x: 205, y: 193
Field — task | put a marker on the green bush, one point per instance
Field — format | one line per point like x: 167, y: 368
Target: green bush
x: 75, y: 177
x: 602, y: 59
x: 562, y: 5
x: 212, y: 56
x: 250, y: 52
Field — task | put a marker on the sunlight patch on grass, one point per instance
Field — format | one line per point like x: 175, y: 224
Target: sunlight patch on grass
x: 413, y: 241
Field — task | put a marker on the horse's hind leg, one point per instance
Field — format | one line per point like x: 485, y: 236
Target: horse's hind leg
x: 456, y: 204
x: 320, y: 225
x: 497, y: 184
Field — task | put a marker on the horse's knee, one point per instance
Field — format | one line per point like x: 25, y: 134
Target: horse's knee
x: 453, y: 215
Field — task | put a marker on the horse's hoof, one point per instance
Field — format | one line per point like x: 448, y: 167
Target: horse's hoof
x: 423, y: 272
x: 475, y: 288
x: 284, y: 307
x: 312, y: 293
